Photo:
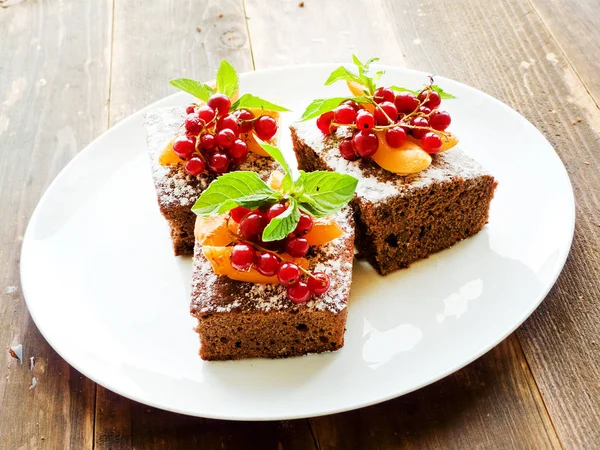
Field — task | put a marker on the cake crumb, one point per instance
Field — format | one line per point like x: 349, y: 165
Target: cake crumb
x: 587, y: 163
x: 33, y: 383
x: 31, y: 363
x: 301, y: 5
x: 220, y: 16
x: 16, y: 351
x: 198, y: 29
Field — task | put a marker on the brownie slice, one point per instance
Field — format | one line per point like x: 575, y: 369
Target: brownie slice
x: 401, y: 219
x: 245, y: 320
x: 176, y: 190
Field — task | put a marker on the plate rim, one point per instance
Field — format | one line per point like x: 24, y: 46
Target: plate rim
x: 562, y: 257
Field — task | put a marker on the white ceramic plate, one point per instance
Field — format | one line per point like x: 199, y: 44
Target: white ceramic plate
x: 107, y: 293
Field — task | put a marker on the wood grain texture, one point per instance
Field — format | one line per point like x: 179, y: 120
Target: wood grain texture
x: 574, y: 26
x: 53, y: 92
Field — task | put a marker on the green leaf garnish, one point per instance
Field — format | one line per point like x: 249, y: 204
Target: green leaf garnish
x: 282, y: 225
x: 227, y: 79
x: 196, y: 88
x: 319, y: 194
x: 402, y: 89
x: 443, y: 94
x: 277, y: 155
x: 362, y: 77
x: 252, y: 101
x: 234, y: 189
x: 323, y: 105
x: 324, y: 193
x: 341, y: 73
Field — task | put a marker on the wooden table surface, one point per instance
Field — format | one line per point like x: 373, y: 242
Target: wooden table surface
x: 71, y: 69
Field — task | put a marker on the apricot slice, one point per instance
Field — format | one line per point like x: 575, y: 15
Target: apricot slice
x: 168, y: 157
x: 410, y: 158
x: 212, y: 230
x: 358, y: 90
x: 220, y: 260
x: 323, y: 231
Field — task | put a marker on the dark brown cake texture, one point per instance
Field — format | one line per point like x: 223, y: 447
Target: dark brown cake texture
x: 245, y: 320
x: 176, y: 190
x: 401, y: 219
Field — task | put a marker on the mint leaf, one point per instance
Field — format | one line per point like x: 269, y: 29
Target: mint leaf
x: 278, y: 156
x: 321, y: 194
x: 323, y: 105
x: 227, y: 79
x: 283, y: 224
x: 401, y: 89
x: 252, y: 101
x: 193, y: 87
x: 341, y: 73
x: 234, y: 189
x: 443, y: 94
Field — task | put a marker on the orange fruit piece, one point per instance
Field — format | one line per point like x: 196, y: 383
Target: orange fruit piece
x: 168, y: 157
x: 410, y: 158
x: 220, y: 260
x: 323, y: 231
x: 212, y: 230
x: 358, y: 90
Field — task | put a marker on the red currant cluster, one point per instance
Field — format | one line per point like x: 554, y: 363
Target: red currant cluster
x: 398, y: 114
x: 251, y: 251
x: 212, y: 135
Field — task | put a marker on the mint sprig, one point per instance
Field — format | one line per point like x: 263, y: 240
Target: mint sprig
x: 362, y: 77
x: 443, y: 94
x: 197, y: 89
x: 323, y: 105
x: 227, y: 79
x: 319, y: 194
x: 252, y: 101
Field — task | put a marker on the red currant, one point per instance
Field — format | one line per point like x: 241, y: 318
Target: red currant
x: 365, y: 120
x: 347, y: 150
x: 433, y: 101
x: 238, y: 213
x: 440, y: 120
x: 383, y: 95
x: 419, y: 122
x: 195, y: 166
x: 228, y: 121
x: 297, y: 247
x: 208, y: 142
x: 385, y: 110
x: 219, y: 162
x: 184, y: 147
x: 193, y: 123
x: 355, y: 106
x: 318, y: 283
x: 288, y: 273
x: 365, y: 143
x: 242, y: 256
x: 298, y: 292
x: 425, y: 110
x: 252, y: 225
x: 220, y: 103
x: 239, y: 150
x: 245, y: 118
x: 275, y: 210
x: 190, y: 109
x: 206, y: 113
x: 431, y: 142
x: 265, y: 127
x: 324, y: 122
x: 406, y: 102
x: 305, y: 224
x: 344, y: 114
x: 395, y: 137
x: 267, y: 264
x: 225, y: 138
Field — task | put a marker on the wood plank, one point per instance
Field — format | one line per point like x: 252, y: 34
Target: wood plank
x: 501, y: 48
x: 574, y: 26
x: 139, y: 78
x: 53, y: 91
x: 488, y: 404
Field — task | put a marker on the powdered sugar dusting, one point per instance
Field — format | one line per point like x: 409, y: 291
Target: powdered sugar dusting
x: 218, y: 294
x: 376, y: 184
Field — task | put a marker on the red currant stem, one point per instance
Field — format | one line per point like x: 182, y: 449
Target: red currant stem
x: 262, y: 249
x: 444, y: 134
